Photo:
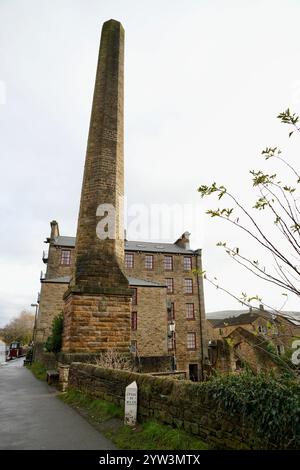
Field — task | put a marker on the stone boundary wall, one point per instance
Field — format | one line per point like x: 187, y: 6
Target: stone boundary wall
x: 169, y: 401
x: 48, y: 359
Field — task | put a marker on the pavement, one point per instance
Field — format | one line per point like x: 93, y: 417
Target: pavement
x: 32, y: 417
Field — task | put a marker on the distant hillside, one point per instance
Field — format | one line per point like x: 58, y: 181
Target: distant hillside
x: 234, y: 313
x: 225, y: 313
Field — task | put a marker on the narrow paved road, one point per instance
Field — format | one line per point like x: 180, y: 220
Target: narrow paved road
x: 32, y: 417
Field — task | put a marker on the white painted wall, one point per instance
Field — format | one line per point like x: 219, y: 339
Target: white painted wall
x: 2, y: 352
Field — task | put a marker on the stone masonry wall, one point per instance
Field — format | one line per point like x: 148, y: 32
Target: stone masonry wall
x: 151, y: 332
x: 184, y: 357
x: 54, y: 266
x: 170, y: 401
x: 96, y: 323
x: 51, y: 304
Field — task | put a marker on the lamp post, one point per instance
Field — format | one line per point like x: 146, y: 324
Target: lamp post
x: 34, y: 327
x: 172, y: 331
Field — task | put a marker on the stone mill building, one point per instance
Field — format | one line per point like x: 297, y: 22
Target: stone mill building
x: 139, y: 298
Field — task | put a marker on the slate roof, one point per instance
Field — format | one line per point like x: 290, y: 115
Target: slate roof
x: 132, y: 281
x: 132, y: 246
x: 293, y: 317
x: 64, y: 241
x: 156, y: 247
x: 143, y: 282
x: 243, y: 319
x: 58, y: 280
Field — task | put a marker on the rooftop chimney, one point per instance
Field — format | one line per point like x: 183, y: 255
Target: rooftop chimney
x: 184, y: 241
x: 54, y: 229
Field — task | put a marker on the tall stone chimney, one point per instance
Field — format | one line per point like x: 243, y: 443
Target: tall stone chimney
x: 54, y: 229
x: 99, y: 260
x: 98, y: 302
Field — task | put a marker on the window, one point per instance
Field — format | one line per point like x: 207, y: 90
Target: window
x: 66, y: 257
x: 280, y: 349
x: 134, y: 297
x: 149, y: 261
x: 262, y: 329
x: 187, y: 263
x: 133, y: 347
x: 220, y: 332
x: 190, y: 311
x: 171, y: 311
x: 168, y: 263
x: 191, y: 341
x: 172, y: 343
x: 188, y: 286
x: 170, y: 286
x: 129, y: 260
x: 133, y: 320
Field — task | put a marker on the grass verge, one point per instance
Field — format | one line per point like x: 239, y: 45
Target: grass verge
x: 98, y: 410
x: 150, y: 435
x: 38, y: 369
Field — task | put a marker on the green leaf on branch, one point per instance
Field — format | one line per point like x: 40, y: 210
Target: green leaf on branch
x: 262, y: 178
x: 270, y: 152
x: 205, y: 190
x: 222, y: 191
x: 286, y: 117
x: 214, y: 213
x: 289, y: 189
x: 295, y: 228
x: 227, y: 212
x: 261, y: 203
x: 199, y: 272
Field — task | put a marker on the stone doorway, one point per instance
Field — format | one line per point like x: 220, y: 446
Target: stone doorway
x: 193, y: 372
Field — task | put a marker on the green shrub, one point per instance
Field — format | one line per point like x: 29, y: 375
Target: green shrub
x: 29, y: 355
x: 269, y: 405
x: 54, y: 342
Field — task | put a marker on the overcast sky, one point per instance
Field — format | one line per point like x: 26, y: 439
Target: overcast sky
x: 204, y: 81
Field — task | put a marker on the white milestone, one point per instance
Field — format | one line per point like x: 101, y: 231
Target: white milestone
x: 131, y: 404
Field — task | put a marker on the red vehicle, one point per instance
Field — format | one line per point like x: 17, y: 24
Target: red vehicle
x: 15, y: 350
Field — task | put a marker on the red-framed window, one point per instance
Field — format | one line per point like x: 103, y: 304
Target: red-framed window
x: 149, y: 261
x: 191, y: 341
x: 133, y: 320
x: 168, y: 263
x: 134, y: 297
x: 172, y: 342
x: 171, y: 311
x: 129, y: 260
x: 170, y: 285
x: 188, y: 286
x: 187, y: 263
x: 65, y: 257
x: 190, y: 311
